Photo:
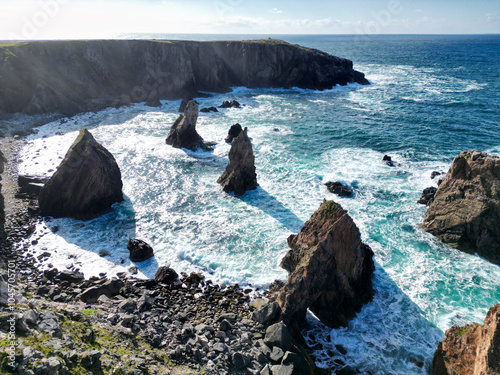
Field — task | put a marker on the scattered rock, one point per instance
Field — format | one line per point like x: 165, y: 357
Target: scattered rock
x: 86, y: 183
x: 230, y: 104
x: 472, y: 349
x: 339, y: 189
x: 234, y: 131
x: 165, y: 275
x: 209, y: 109
x: 465, y: 212
x: 240, y: 175
x: 267, y: 313
x: 139, y: 250
x: 330, y: 269
x: 183, y: 132
x: 388, y: 161
x: 427, y: 196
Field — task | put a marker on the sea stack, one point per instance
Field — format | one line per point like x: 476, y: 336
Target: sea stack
x: 330, y: 269
x: 86, y: 183
x: 470, y: 350
x: 240, y: 175
x: 465, y: 212
x: 183, y: 132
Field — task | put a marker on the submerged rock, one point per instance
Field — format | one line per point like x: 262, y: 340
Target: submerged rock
x: 234, y: 131
x: 86, y: 183
x: 470, y: 350
x: 209, y: 109
x: 388, y: 161
x: 427, y: 195
x: 465, y: 212
x: 339, y: 189
x: 240, y: 175
x: 230, y: 104
x: 330, y: 269
x: 183, y: 132
x: 139, y: 250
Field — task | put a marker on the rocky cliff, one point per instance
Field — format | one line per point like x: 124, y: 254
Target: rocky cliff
x: 465, y: 212
x: 78, y: 76
x: 470, y: 350
x: 330, y: 269
x: 86, y: 183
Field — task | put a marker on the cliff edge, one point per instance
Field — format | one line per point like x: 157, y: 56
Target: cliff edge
x: 69, y: 77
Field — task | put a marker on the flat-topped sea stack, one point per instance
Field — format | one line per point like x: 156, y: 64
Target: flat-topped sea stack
x: 86, y: 183
x: 240, y: 175
x: 470, y: 350
x: 465, y: 212
x: 330, y: 269
x: 183, y: 132
x: 68, y: 77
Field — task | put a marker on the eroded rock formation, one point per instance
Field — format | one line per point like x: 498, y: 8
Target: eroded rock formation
x: 330, y: 269
x: 470, y: 350
x: 465, y: 212
x: 233, y: 132
x: 86, y: 183
x: 240, y: 175
x: 183, y: 132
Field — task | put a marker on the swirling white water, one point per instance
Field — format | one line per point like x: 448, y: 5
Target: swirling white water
x: 420, y: 109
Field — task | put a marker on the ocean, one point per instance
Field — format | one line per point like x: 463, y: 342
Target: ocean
x: 430, y: 98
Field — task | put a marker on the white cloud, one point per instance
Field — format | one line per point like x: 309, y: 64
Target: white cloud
x: 276, y: 11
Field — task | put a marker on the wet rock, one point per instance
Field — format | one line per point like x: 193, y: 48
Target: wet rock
x: 234, y: 131
x: 209, y: 109
x: 183, y: 132
x: 86, y: 183
x: 330, y: 269
x: 471, y: 349
x: 165, y: 275
x: 139, y: 250
x: 465, y: 212
x: 388, y: 161
x: 230, y: 104
x: 427, y: 196
x: 240, y: 175
x: 339, y: 189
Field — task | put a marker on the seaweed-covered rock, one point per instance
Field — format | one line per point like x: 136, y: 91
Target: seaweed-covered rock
x: 240, y: 175
x: 465, y: 212
x: 470, y: 350
x: 86, y: 184
x: 330, y: 269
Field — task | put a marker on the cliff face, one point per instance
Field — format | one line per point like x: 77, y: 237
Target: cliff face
x: 465, y: 212
x: 77, y: 76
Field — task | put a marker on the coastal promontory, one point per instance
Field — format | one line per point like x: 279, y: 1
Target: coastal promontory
x: 465, y: 212
x: 69, y: 77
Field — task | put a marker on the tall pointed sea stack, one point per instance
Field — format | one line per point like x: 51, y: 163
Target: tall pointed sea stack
x: 240, y: 175
x: 330, y: 269
x: 86, y: 183
x: 183, y: 132
x: 465, y: 212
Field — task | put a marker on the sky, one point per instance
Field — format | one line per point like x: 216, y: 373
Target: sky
x: 83, y: 19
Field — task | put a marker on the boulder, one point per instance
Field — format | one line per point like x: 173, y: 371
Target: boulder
x: 109, y: 288
x: 234, y: 131
x: 330, y: 269
x: 139, y: 250
x: 230, y: 104
x: 267, y: 313
x: 388, y: 161
x: 165, y: 275
x: 86, y: 184
x: 339, y: 189
x: 209, y: 109
x: 240, y: 175
x: 427, y: 196
x: 470, y: 350
x: 30, y: 186
x: 465, y: 212
x: 183, y: 132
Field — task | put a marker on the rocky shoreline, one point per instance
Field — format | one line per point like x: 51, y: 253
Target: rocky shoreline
x: 65, y: 324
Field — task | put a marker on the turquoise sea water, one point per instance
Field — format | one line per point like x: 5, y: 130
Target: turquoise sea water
x: 431, y: 97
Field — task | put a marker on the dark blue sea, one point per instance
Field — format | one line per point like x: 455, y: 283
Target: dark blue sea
x: 430, y: 98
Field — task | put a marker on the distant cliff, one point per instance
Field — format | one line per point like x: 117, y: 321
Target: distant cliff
x: 69, y: 77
